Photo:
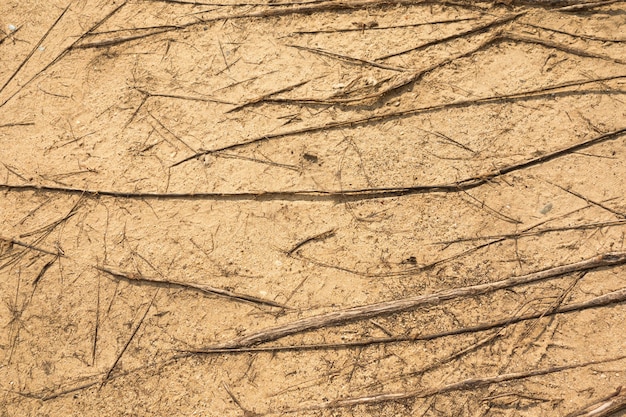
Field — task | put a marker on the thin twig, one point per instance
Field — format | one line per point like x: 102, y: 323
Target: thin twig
x: 37, y: 45
x: 351, y: 123
x: 477, y: 29
x: 339, y: 317
x: 608, y: 299
x: 575, y: 35
x: 514, y: 37
x: 43, y: 270
x: 526, y: 233
x: 267, y: 95
x: 604, y: 407
x: 587, y: 5
x: 138, y: 279
x: 341, y: 195
x: 66, y: 51
x: 96, y: 326
x: 464, y: 385
x: 589, y: 201
x: 350, y: 59
x: 407, y: 25
x: 130, y: 339
x: 30, y: 246
x: 317, y: 237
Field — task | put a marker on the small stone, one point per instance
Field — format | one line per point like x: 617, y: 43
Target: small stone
x: 546, y: 209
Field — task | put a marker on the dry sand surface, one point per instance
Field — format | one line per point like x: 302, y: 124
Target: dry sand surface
x: 312, y: 208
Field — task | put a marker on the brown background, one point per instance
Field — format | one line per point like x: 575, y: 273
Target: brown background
x: 102, y: 100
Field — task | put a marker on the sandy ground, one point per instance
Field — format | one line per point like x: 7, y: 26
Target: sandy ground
x: 203, y: 206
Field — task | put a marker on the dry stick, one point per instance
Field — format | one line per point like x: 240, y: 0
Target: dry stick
x: 55, y: 223
x: 65, y: 51
x: 30, y: 213
x: 43, y: 270
x: 316, y: 195
x: 96, y: 326
x: 574, y: 35
x: 351, y: 123
x: 14, y: 172
x: 47, y: 395
x: 404, y: 81
x: 339, y: 317
x: 16, y: 313
x: 548, y: 312
x: 600, y: 301
x: 464, y: 385
x: 587, y: 5
x: 17, y: 124
x: 130, y: 339
x: 256, y: 160
x: 148, y: 95
x: 168, y: 130
x: 317, y: 237
x: 589, y: 201
x: 15, y: 256
x: 482, y: 206
x: 37, y: 45
x: 474, y: 30
x: 223, y: 55
x: 180, y: 97
x: 29, y: 246
x: 44, y: 233
x: 138, y: 279
x: 613, y: 297
x: 266, y: 96
x: 547, y: 3
x: 448, y: 139
x: 412, y: 78
x: 305, y: 9
x: 113, y: 42
x: 437, y: 363
x: 246, y: 412
x: 10, y: 35
x: 497, y: 239
x: 604, y: 407
x: 549, y: 44
x: 450, y: 258
x: 350, y: 59
x: 328, y: 6
x: 240, y: 4
x: 408, y: 25
x: 526, y: 233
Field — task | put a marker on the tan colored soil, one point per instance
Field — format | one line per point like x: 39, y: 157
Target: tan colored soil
x: 285, y: 153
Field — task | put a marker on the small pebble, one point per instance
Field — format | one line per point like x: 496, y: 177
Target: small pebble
x: 12, y: 28
x: 546, y: 209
